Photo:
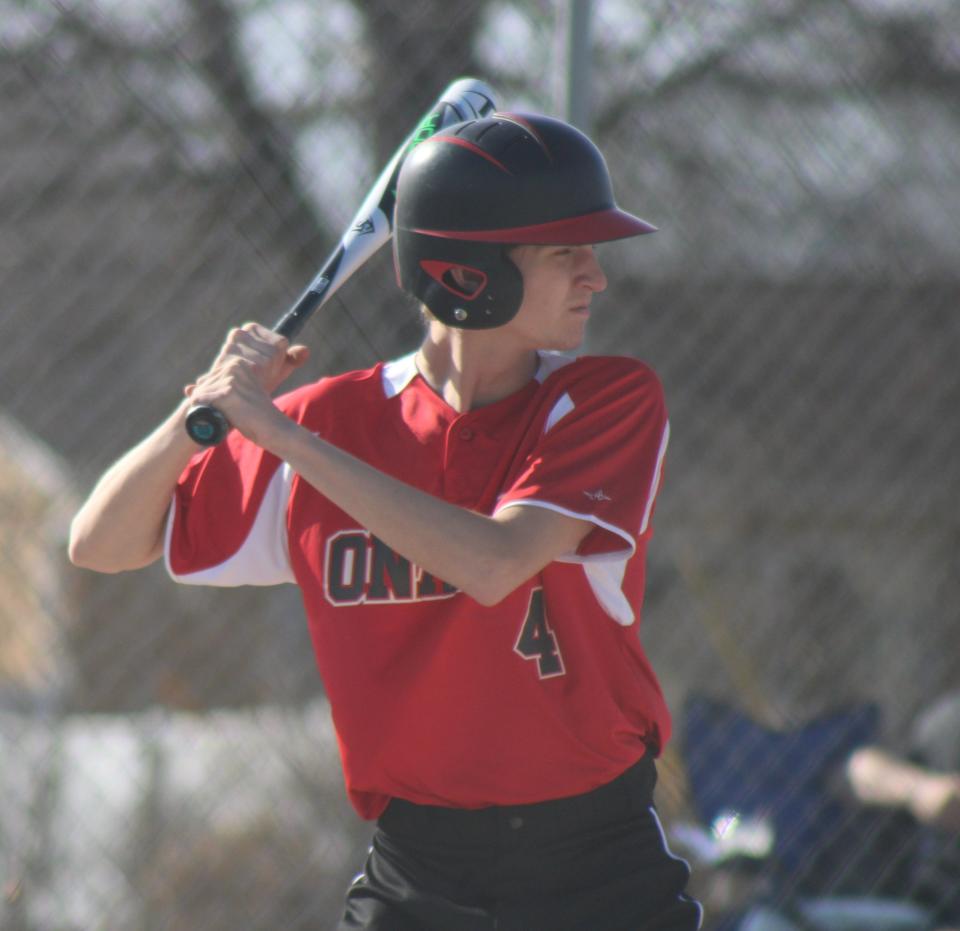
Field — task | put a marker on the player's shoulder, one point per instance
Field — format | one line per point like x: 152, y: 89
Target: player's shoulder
x: 598, y: 372
x: 348, y: 390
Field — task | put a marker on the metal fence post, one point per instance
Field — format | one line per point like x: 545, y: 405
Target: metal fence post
x: 575, y: 71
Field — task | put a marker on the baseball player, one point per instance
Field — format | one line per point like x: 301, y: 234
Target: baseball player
x: 468, y: 527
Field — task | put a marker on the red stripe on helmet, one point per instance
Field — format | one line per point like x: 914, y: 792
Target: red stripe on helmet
x: 528, y: 126
x: 599, y: 226
x: 469, y: 146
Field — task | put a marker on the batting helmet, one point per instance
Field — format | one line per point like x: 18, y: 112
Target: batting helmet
x: 480, y: 186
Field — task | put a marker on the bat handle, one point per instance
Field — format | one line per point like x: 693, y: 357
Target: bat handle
x: 206, y: 425
x: 291, y: 323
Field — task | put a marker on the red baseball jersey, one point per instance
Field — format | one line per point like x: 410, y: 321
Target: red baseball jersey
x: 436, y: 698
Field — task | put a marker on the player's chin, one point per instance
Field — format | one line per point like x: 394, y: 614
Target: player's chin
x: 570, y: 339
x: 562, y: 346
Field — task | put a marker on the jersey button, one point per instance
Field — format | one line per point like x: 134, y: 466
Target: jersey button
x: 466, y: 434
x: 516, y: 822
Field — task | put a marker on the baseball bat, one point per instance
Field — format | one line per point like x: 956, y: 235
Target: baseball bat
x: 370, y: 228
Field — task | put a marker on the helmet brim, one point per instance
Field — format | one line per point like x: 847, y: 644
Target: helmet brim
x: 589, y: 228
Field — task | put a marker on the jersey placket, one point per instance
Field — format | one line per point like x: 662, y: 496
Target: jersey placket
x: 466, y: 460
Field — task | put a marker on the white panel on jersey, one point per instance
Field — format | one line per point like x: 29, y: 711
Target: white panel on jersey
x: 655, y: 481
x: 398, y: 374
x: 559, y: 411
x: 264, y: 556
x: 606, y: 580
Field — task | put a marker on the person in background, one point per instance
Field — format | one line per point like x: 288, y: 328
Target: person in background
x: 923, y: 780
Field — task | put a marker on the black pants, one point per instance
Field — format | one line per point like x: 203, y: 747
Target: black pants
x: 594, y: 862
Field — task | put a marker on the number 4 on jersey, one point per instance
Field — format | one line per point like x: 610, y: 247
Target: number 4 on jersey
x: 537, y: 641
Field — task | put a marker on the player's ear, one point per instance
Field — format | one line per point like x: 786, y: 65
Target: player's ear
x: 467, y: 280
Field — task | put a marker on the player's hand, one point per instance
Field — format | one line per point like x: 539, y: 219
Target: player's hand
x: 252, y: 363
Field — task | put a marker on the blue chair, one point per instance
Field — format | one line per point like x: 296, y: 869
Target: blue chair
x: 788, y: 777
x: 829, y: 864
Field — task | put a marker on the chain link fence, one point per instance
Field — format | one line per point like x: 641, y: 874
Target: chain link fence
x: 170, y: 169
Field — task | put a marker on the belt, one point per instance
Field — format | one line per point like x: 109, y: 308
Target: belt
x: 628, y: 794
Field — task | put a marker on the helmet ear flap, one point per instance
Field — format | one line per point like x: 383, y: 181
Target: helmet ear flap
x: 494, y: 298
x: 462, y: 280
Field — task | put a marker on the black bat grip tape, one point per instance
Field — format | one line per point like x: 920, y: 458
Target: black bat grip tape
x: 204, y: 423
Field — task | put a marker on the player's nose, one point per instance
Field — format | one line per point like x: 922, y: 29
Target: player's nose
x: 591, y: 271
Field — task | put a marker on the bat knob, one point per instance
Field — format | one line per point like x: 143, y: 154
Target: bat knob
x: 206, y: 425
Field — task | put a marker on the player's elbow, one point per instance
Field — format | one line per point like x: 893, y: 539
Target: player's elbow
x: 517, y: 547
x: 88, y: 550
x: 493, y: 579
x: 80, y: 550
x: 85, y: 554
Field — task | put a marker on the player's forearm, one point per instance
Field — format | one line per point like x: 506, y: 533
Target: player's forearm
x: 120, y: 526
x: 880, y: 779
x: 931, y: 796
x: 481, y: 556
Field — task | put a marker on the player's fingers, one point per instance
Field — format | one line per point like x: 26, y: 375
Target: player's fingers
x: 261, y: 334
x: 298, y: 355
x: 253, y: 359
x: 254, y: 329
x: 247, y: 335
x: 256, y: 344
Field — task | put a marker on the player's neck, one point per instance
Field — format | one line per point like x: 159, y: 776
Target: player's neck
x: 470, y: 369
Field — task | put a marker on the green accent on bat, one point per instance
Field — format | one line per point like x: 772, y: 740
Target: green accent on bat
x: 427, y: 127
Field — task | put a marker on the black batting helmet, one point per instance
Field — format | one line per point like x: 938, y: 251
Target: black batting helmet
x: 485, y: 184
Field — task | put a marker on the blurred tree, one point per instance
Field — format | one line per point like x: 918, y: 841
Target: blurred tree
x: 798, y: 122
x: 415, y: 50
x: 166, y: 158
x: 261, y: 143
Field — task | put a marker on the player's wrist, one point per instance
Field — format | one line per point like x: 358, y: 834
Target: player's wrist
x: 281, y: 435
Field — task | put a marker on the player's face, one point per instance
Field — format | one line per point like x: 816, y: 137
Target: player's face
x: 558, y: 284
